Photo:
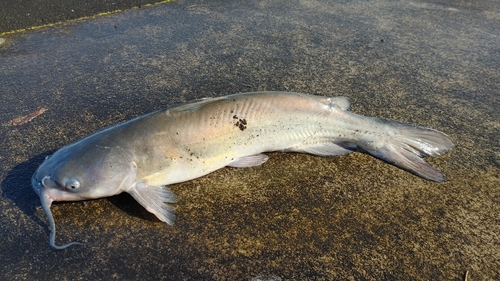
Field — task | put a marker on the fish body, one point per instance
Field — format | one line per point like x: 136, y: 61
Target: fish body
x: 144, y: 155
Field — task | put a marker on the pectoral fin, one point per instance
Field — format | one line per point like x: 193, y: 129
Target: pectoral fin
x: 153, y: 199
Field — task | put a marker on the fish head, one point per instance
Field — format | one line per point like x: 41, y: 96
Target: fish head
x: 79, y: 172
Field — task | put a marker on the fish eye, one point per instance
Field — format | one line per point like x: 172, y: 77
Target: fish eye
x: 72, y: 184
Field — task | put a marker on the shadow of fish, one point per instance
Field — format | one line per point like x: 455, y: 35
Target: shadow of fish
x: 178, y: 144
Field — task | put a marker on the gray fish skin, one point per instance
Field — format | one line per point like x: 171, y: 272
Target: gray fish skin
x: 144, y: 155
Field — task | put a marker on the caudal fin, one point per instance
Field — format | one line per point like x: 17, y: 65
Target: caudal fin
x: 412, y: 143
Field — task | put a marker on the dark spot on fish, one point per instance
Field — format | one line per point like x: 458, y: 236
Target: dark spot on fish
x: 241, y: 123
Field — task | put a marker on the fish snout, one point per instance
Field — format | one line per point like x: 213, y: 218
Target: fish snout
x: 42, y: 185
x: 36, y: 184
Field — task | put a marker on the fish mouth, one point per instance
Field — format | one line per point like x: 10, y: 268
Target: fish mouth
x: 42, y: 192
x: 41, y: 189
x: 36, y: 184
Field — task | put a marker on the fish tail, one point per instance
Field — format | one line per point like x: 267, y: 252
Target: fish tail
x: 409, y: 145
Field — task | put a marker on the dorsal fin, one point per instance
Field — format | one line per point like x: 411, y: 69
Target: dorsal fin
x: 192, y: 106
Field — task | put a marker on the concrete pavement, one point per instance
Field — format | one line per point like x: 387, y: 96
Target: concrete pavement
x: 298, y: 217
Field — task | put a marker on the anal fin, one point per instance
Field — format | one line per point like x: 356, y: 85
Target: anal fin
x: 324, y: 149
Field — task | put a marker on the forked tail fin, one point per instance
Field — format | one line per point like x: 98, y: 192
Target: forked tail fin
x: 409, y: 145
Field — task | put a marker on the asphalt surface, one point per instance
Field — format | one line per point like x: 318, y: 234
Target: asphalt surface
x: 19, y: 16
x: 297, y: 217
